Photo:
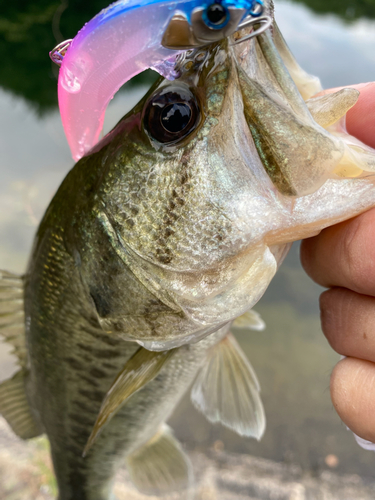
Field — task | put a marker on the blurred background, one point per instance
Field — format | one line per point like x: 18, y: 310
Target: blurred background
x: 334, y: 39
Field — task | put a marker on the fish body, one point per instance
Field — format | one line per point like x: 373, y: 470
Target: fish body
x: 125, y: 39
x: 84, y: 284
x: 72, y: 365
x: 168, y: 231
x: 72, y: 360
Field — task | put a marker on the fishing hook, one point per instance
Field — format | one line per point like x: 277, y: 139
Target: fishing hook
x: 265, y: 22
x: 57, y: 54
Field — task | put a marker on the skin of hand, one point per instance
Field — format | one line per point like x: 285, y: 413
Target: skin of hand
x: 342, y: 258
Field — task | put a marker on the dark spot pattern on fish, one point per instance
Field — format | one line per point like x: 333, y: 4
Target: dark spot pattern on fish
x: 107, y: 354
x: 80, y: 434
x: 97, y: 373
x: 91, y: 319
x: 81, y: 419
x: 174, y: 211
x: 82, y: 406
x: 108, y: 366
x: 85, y: 347
x: 90, y: 381
x: 78, y: 485
x: 100, y: 353
x: 74, y: 449
x: 97, y: 396
x: 85, y: 357
x: 102, y: 337
x: 118, y: 326
x: 75, y: 364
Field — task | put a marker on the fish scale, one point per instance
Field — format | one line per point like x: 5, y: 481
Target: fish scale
x: 155, y: 221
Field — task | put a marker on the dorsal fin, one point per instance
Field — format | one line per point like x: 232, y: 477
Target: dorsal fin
x: 160, y: 466
x: 227, y: 390
x: 12, y: 318
x: 140, y: 369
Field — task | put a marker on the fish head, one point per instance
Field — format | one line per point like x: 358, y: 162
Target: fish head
x: 182, y: 163
x: 197, y: 192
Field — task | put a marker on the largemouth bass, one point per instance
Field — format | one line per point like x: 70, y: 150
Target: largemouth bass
x: 167, y: 231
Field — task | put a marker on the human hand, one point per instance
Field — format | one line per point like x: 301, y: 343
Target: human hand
x: 342, y: 258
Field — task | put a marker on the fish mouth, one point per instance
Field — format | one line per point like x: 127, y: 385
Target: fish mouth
x: 297, y: 153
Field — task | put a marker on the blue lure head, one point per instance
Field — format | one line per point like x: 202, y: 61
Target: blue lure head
x: 217, y: 14
x: 202, y: 23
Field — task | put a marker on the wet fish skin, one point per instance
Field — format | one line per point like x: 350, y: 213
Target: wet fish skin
x: 79, y: 282
x: 73, y: 362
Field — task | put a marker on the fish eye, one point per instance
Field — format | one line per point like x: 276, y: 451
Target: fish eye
x: 171, y: 114
x: 216, y: 16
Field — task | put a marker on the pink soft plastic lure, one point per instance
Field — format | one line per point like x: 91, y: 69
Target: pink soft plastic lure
x: 125, y: 39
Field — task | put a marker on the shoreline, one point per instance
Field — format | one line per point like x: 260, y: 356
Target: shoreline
x: 26, y: 474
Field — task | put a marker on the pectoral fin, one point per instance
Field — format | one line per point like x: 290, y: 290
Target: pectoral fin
x: 227, y: 390
x: 15, y: 408
x: 142, y: 367
x: 160, y: 466
x: 250, y: 320
x: 328, y: 109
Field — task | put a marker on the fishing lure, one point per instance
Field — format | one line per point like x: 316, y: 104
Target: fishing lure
x: 128, y: 37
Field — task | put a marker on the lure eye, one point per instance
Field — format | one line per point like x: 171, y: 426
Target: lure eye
x: 171, y: 114
x: 216, y: 16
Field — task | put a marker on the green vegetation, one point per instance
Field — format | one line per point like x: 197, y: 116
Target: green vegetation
x: 28, y: 31
x: 346, y: 9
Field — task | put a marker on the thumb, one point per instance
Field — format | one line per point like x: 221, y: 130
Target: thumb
x: 360, y: 119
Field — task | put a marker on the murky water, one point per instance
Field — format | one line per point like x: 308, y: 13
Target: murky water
x: 291, y: 357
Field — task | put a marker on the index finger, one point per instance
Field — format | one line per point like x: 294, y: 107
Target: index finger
x: 360, y: 120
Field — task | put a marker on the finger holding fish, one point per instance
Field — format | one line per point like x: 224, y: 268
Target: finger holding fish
x: 347, y: 321
x: 341, y: 259
x: 343, y: 255
x: 352, y: 392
